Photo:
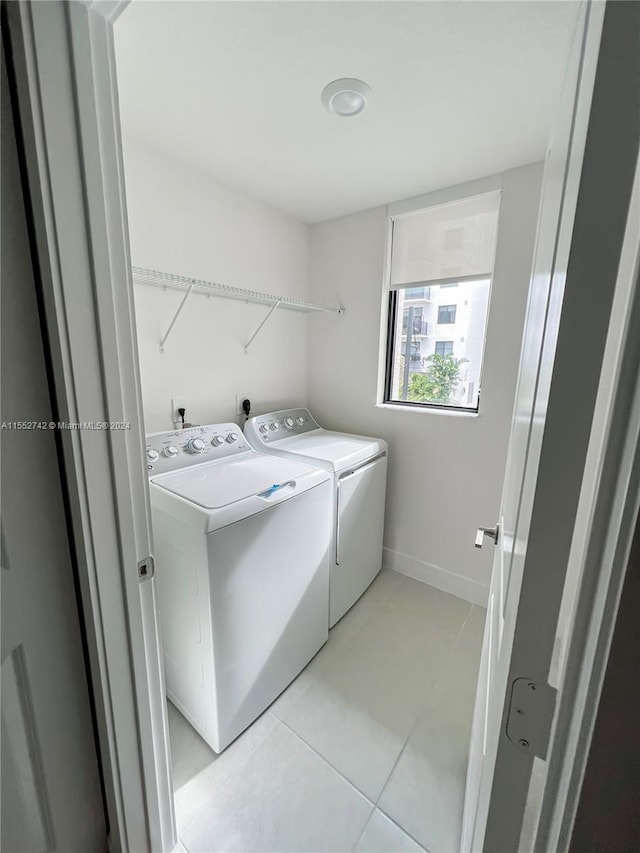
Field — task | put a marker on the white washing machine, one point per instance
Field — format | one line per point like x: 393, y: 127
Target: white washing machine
x: 358, y: 465
x: 241, y: 548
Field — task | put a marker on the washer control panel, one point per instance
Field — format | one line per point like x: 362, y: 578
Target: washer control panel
x: 277, y: 425
x: 168, y: 451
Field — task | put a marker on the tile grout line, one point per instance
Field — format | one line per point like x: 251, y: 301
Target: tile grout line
x: 402, y: 829
x: 464, y: 624
x: 295, y: 701
x: 348, y: 641
x: 421, y: 709
x: 366, y: 824
x: 377, y: 610
x: 415, y: 722
x: 329, y: 664
x: 328, y: 763
x: 277, y: 720
x: 232, y: 773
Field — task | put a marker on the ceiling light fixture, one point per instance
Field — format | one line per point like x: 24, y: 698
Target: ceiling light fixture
x: 345, y: 97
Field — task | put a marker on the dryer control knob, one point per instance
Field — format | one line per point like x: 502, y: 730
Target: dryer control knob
x: 232, y: 437
x: 170, y: 451
x: 274, y: 426
x: 300, y: 420
x: 263, y: 428
x: 289, y: 423
x: 217, y: 440
x: 195, y: 445
x: 152, y: 454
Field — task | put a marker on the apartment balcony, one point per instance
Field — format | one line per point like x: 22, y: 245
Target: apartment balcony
x: 419, y: 328
x: 417, y: 294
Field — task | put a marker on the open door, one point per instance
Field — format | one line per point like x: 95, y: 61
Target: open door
x: 61, y: 60
x: 49, y: 761
x: 585, y: 201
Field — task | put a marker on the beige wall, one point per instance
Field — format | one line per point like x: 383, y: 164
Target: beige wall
x: 446, y: 470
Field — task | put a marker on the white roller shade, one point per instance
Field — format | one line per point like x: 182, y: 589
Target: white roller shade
x: 451, y: 241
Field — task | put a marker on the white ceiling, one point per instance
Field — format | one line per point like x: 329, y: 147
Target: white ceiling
x: 459, y: 90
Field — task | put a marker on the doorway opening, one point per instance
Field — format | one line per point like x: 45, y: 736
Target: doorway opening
x: 586, y: 243
x: 240, y: 179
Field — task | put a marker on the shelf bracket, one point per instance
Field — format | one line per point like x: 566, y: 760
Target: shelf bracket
x: 175, y: 317
x: 253, y: 336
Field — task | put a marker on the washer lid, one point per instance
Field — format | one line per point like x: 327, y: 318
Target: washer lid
x: 215, y: 485
x: 333, y: 450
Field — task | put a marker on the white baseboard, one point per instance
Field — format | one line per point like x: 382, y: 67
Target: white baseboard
x: 465, y: 588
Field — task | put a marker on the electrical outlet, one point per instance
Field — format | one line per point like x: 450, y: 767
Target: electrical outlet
x: 178, y: 403
x: 239, y: 399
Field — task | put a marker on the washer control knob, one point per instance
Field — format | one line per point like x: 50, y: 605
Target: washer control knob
x: 274, y: 426
x: 217, y: 440
x: 152, y: 454
x: 170, y: 451
x: 232, y: 437
x: 263, y: 428
x: 195, y: 445
x: 289, y: 423
x: 300, y: 420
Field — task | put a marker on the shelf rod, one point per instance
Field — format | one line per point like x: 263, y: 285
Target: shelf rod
x: 172, y: 281
x: 175, y: 317
x: 249, y: 342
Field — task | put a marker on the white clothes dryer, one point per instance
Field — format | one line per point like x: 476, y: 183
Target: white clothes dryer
x: 241, y: 550
x: 358, y: 465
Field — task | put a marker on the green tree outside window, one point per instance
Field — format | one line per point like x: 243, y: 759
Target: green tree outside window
x: 438, y: 382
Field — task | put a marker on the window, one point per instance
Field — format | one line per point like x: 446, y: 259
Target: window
x: 444, y: 347
x: 446, y: 314
x: 432, y: 251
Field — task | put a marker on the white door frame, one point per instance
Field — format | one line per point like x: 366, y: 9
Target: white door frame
x: 64, y: 60
x: 578, y: 419
x: 608, y: 512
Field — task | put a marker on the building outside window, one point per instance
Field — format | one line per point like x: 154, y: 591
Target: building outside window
x: 419, y: 326
x: 446, y: 314
x: 440, y: 275
x: 417, y: 293
x: 444, y: 348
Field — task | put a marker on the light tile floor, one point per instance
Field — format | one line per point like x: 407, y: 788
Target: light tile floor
x: 365, y: 751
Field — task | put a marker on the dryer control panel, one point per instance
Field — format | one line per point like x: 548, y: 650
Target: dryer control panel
x: 180, y: 448
x: 277, y: 425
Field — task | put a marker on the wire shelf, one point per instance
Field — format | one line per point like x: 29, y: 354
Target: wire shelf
x: 213, y: 288
x: 172, y: 281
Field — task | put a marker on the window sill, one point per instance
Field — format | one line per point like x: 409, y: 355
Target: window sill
x: 453, y: 413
